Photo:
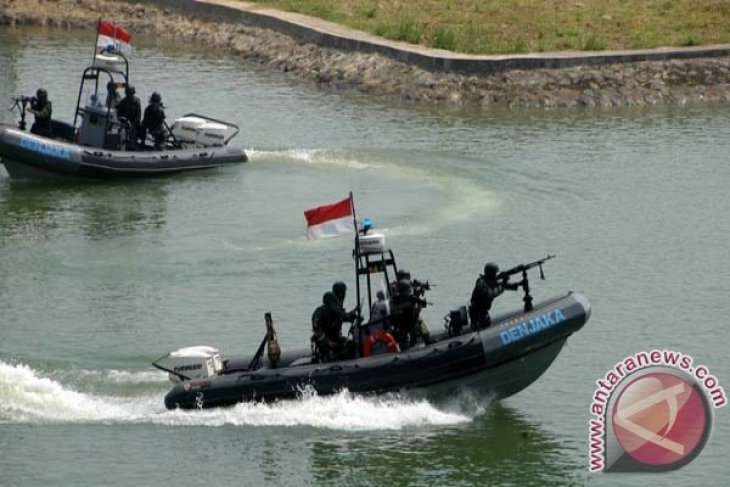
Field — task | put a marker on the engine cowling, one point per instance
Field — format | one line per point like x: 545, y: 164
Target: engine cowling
x: 200, y: 362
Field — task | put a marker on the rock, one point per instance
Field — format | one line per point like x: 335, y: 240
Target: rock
x: 618, y: 84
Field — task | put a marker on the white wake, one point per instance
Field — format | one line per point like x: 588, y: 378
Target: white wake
x: 26, y: 396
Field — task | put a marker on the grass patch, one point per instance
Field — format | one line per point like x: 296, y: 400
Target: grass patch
x: 475, y: 38
x: 645, y: 39
x: 366, y: 11
x: 691, y: 39
x: 405, y: 30
x: 505, y: 26
x: 594, y: 43
x: 444, y: 38
x: 325, y: 10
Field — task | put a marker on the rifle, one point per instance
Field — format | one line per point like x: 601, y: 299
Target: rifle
x: 20, y: 103
x: 503, y: 278
x: 420, y: 288
x: 22, y: 99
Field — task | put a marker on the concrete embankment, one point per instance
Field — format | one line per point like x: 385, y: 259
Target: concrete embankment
x: 333, y: 55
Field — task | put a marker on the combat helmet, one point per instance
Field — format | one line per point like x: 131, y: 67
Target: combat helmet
x: 490, y: 271
x: 339, y: 289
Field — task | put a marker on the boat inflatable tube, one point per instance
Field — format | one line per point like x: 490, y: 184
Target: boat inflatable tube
x: 500, y: 360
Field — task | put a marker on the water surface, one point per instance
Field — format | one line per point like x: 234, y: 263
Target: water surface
x: 96, y: 280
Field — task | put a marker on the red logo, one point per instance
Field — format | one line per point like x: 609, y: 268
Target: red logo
x: 660, y: 419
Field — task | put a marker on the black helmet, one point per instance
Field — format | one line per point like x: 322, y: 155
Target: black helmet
x: 404, y: 287
x: 129, y: 90
x: 155, y: 98
x: 329, y: 298
x: 491, y: 270
x: 41, y: 94
x: 403, y: 274
x: 111, y: 86
x: 339, y: 289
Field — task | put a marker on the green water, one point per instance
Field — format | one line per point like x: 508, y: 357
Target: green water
x: 96, y: 280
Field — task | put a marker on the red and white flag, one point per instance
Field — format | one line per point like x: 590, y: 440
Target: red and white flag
x: 112, y: 38
x: 330, y: 220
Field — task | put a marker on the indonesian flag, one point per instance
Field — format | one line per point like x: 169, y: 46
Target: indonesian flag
x: 330, y: 220
x: 112, y: 38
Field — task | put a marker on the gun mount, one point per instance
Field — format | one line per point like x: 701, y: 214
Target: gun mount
x: 503, y: 278
x: 21, y: 103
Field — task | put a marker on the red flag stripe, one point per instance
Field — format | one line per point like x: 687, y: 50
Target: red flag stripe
x: 110, y: 30
x: 325, y: 213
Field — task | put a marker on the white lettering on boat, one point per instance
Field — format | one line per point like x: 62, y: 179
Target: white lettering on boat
x: 527, y: 328
x: 46, y: 148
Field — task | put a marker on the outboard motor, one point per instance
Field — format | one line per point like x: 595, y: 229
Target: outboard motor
x: 187, y: 129
x: 200, y: 131
x: 199, y: 362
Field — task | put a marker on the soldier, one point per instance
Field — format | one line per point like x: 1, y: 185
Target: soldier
x: 41, y: 107
x: 112, y: 96
x: 405, y: 316
x: 399, y: 276
x: 130, y: 108
x: 154, y: 119
x: 327, y: 339
x: 486, y: 289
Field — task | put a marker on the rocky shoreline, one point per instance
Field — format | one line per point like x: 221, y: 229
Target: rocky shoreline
x: 621, y: 84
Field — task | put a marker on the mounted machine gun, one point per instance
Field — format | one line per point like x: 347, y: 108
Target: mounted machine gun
x: 503, y: 278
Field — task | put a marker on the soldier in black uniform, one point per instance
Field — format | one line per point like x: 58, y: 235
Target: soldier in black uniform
x: 41, y: 107
x: 405, y: 315
x: 400, y: 275
x: 327, y: 339
x: 130, y: 108
x: 112, y: 95
x: 154, y: 118
x: 486, y: 289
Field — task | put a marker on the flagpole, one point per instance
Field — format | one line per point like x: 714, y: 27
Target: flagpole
x: 357, y: 270
x: 96, y: 41
x: 357, y: 247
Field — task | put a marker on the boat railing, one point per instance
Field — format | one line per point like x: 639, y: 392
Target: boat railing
x: 93, y: 73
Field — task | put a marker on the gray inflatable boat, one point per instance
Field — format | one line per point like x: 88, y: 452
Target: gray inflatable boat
x: 101, y: 145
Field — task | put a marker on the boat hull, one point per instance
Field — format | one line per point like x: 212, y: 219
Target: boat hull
x: 31, y: 156
x: 500, y: 360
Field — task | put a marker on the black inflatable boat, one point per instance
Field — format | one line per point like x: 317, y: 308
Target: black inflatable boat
x: 500, y: 360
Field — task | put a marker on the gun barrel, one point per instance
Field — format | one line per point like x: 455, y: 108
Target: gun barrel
x: 504, y: 275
